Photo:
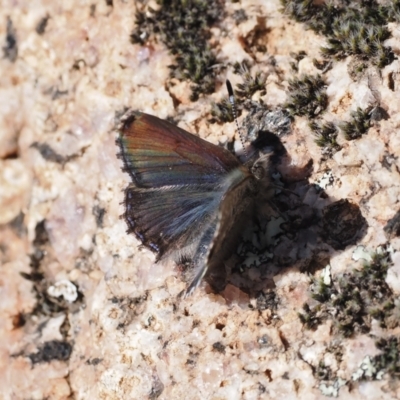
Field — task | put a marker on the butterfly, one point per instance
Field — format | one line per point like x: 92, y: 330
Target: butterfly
x: 189, y: 199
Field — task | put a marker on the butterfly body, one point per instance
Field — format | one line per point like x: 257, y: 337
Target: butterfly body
x: 188, y: 198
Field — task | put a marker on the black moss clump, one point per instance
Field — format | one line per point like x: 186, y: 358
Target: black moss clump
x: 357, y: 297
x: 251, y: 84
x: 326, y: 135
x: 184, y: 27
x: 307, y: 96
x: 222, y: 111
x: 352, y: 27
x: 358, y: 125
x: 389, y: 360
x: 310, y: 318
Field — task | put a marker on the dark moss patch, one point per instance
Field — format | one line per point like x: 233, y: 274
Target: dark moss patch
x: 311, y: 317
x: 389, y: 360
x: 326, y: 135
x: 251, y: 84
x: 10, y: 49
x: 356, y: 28
x: 222, y: 111
x: 358, y: 125
x: 52, y: 350
x: 307, y: 96
x: 357, y: 297
x: 184, y: 27
x: 342, y: 224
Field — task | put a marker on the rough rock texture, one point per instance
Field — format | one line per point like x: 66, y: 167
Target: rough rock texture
x: 118, y: 329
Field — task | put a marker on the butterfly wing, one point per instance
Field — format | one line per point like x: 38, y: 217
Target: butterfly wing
x: 179, y: 181
x: 222, y: 237
x: 157, y: 153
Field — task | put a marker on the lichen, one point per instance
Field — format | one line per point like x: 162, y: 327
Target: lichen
x: 326, y: 134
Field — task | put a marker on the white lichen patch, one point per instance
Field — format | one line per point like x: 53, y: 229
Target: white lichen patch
x: 65, y: 289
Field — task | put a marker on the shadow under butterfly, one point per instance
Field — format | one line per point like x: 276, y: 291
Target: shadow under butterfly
x: 189, y: 199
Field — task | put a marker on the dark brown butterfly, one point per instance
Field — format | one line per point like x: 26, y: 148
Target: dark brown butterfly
x: 188, y: 199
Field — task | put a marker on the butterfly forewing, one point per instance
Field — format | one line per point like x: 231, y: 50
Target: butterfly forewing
x: 157, y: 153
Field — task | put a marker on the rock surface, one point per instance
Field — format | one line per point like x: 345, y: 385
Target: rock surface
x: 125, y: 333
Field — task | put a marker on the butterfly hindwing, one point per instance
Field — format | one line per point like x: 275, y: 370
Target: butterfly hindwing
x: 219, y: 242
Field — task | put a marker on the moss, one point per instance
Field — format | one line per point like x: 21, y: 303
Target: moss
x: 326, y: 135
x: 251, y: 84
x: 298, y: 57
x: 359, y: 124
x: 307, y: 96
x: 389, y: 360
x: 222, y: 111
x: 184, y: 27
x: 323, y: 65
x: 309, y: 317
x: 352, y: 28
x: 357, y: 297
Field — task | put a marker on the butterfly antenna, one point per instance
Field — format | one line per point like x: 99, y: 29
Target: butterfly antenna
x: 233, y: 104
